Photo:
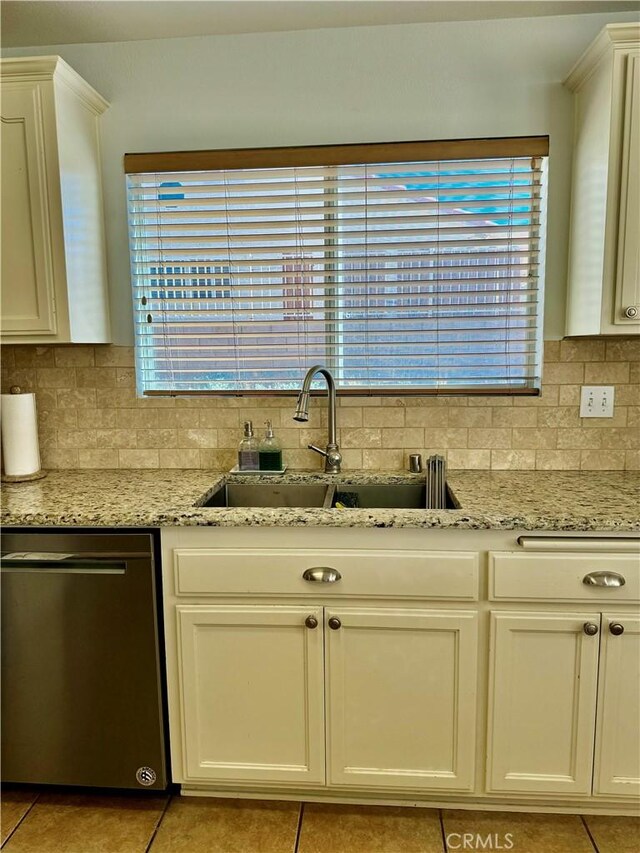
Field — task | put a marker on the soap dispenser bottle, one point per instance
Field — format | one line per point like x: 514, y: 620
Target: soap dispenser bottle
x: 270, y: 451
x: 248, y: 457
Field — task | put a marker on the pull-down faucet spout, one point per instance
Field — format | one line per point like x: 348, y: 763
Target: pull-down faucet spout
x: 332, y: 457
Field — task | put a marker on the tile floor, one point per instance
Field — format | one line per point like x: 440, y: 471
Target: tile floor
x: 48, y: 822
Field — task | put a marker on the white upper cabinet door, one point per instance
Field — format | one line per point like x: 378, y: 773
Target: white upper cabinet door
x: 28, y: 282
x: 54, y: 281
x: 617, y: 763
x: 401, y: 697
x: 627, y: 307
x: 251, y: 693
x: 603, y: 294
x: 542, y: 702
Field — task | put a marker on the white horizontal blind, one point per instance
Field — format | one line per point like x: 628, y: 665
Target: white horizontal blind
x: 422, y: 276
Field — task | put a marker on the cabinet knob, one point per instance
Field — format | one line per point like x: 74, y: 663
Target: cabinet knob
x: 616, y: 628
x: 590, y: 628
x: 631, y: 312
x: 311, y: 622
x: 334, y: 623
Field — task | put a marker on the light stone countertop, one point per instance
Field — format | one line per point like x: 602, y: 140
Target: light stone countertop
x: 503, y: 500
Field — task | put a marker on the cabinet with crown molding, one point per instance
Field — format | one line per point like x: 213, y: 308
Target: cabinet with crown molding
x: 604, y: 261
x: 53, y: 248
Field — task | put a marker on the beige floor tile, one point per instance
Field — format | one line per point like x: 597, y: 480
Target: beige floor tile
x: 13, y: 807
x: 203, y: 825
x: 91, y: 823
x: 615, y: 834
x: 369, y: 829
x: 527, y: 833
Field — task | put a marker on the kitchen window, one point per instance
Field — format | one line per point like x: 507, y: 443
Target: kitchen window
x: 412, y: 268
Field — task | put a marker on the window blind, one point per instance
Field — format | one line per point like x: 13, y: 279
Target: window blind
x: 412, y: 276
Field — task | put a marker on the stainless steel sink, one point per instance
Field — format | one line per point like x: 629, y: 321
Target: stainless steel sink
x: 271, y: 495
x: 386, y: 496
x: 321, y: 495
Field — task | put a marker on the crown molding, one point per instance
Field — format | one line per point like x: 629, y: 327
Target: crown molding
x: 611, y: 37
x: 45, y: 68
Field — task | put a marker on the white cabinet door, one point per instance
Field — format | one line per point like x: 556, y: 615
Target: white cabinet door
x: 542, y: 702
x: 603, y: 285
x: 54, y: 285
x: 401, y: 697
x: 628, y: 262
x: 251, y: 693
x: 617, y: 764
x: 28, y: 284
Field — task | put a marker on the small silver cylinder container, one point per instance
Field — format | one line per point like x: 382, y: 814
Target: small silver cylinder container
x: 415, y: 463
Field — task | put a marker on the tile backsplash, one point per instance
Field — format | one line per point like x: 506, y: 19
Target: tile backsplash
x: 89, y: 417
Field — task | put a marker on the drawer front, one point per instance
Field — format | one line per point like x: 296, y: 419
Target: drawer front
x: 514, y: 576
x: 407, y: 574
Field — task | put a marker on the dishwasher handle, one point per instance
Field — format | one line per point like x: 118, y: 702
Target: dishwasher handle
x: 54, y: 562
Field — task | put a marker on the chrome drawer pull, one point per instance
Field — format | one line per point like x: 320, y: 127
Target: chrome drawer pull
x: 321, y: 574
x: 608, y: 579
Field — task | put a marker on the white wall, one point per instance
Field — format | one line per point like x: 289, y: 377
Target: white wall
x: 364, y: 84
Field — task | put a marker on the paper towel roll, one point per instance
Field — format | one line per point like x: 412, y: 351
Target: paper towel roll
x: 19, y: 424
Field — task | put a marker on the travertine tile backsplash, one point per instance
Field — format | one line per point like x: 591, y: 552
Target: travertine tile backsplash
x: 89, y: 417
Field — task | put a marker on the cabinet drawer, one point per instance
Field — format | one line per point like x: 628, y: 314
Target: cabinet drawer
x: 514, y: 576
x: 408, y: 574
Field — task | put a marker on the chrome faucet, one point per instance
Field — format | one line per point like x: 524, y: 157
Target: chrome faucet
x: 332, y: 457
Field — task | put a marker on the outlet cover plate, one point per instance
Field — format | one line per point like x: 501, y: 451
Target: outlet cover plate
x: 596, y: 401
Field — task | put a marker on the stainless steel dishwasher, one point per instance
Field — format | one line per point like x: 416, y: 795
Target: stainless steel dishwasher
x: 82, y: 675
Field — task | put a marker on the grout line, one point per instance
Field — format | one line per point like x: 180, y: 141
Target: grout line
x: 299, y: 828
x: 157, y: 826
x: 588, y: 831
x: 442, y: 832
x: 19, y: 823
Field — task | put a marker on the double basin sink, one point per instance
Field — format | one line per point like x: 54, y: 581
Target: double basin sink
x: 325, y: 496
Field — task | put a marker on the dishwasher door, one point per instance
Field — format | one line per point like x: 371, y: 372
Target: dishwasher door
x: 82, y: 696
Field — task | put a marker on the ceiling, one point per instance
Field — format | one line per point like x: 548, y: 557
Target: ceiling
x: 30, y: 22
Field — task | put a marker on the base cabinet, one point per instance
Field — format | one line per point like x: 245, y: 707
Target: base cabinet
x: 252, y: 692
x: 617, y: 763
x: 401, y: 697
x: 564, y: 704
x: 380, y: 666
x: 544, y: 671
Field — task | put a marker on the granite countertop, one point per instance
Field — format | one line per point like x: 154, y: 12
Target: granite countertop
x: 501, y: 500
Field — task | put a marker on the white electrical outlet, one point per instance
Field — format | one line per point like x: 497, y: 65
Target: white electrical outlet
x: 596, y: 401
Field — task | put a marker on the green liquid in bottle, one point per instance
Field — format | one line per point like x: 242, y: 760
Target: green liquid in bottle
x: 270, y: 460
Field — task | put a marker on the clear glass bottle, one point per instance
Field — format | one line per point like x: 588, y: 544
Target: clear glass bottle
x: 270, y: 451
x: 248, y: 456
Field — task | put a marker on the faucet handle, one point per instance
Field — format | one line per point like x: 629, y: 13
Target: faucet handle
x: 332, y: 457
x: 317, y: 449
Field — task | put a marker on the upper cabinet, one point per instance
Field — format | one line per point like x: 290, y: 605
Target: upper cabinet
x: 604, y: 268
x: 54, y: 284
